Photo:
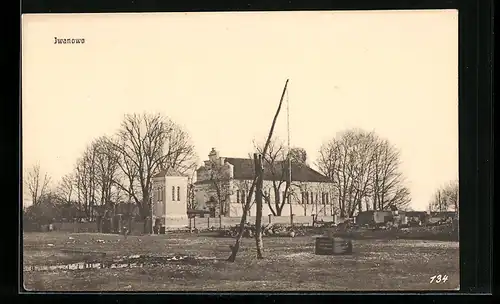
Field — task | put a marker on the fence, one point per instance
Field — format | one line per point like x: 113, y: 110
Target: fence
x: 224, y: 222
x: 137, y: 227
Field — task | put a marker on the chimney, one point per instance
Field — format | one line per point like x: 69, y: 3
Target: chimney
x: 213, y: 155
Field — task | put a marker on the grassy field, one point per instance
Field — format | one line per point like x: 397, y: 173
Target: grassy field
x: 289, y: 264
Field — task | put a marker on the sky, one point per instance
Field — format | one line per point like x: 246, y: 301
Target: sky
x: 221, y: 75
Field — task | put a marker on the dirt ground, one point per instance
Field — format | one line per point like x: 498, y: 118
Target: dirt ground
x: 289, y: 264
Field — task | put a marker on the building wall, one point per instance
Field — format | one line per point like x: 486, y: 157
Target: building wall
x: 320, y: 203
x: 170, y: 200
x: 382, y: 216
x: 306, y: 197
x: 236, y: 209
x: 373, y: 217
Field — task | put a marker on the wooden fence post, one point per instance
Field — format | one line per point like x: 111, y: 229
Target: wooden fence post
x: 208, y: 223
x: 220, y: 221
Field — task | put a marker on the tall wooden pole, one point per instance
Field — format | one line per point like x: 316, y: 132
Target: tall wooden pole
x: 235, y: 248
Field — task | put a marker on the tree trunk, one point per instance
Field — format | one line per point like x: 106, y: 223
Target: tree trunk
x: 258, y: 199
x: 271, y: 208
x: 279, y: 210
x: 145, y: 208
x: 236, y: 246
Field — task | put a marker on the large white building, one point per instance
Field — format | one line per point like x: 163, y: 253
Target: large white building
x: 222, y: 186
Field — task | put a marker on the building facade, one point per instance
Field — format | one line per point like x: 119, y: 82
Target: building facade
x: 169, y: 205
x: 223, y: 184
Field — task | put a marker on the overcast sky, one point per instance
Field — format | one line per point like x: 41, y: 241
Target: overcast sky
x: 220, y: 75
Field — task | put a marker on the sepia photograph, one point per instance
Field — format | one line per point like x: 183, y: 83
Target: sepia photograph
x: 240, y: 151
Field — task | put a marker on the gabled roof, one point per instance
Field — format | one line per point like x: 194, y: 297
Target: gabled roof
x: 244, y: 170
x: 168, y: 172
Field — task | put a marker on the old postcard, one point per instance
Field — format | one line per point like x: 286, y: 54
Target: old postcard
x: 256, y: 151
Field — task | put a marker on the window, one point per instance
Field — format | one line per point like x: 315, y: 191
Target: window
x: 237, y: 196
x: 324, y: 198
x: 312, y: 197
x: 178, y: 194
x: 242, y: 196
x: 163, y: 194
x: 173, y: 193
x: 327, y: 198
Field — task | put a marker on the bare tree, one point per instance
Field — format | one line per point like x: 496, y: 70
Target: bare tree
x: 147, y: 144
x: 36, y: 183
x: 388, y: 181
x: 347, y: 161
x: 243, y: 193
x: 86, y: 185
x: 298, y: 155
x: 106, y: 171
x: 219, y: 178
x: 94, y: 177
x: 451, y: 192
x: 192, y: 203
x: 276, y: 167
x: 363, y: 168
x: 445, y: 198
x: 439, y: 202
x: 66, y: 188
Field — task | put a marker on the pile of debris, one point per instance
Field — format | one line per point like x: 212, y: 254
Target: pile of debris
x: 284, y: 230
x: 267, y: 230
x: 324, y: 224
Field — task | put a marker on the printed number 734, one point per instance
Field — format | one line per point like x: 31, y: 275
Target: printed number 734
x: 439, y: 279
